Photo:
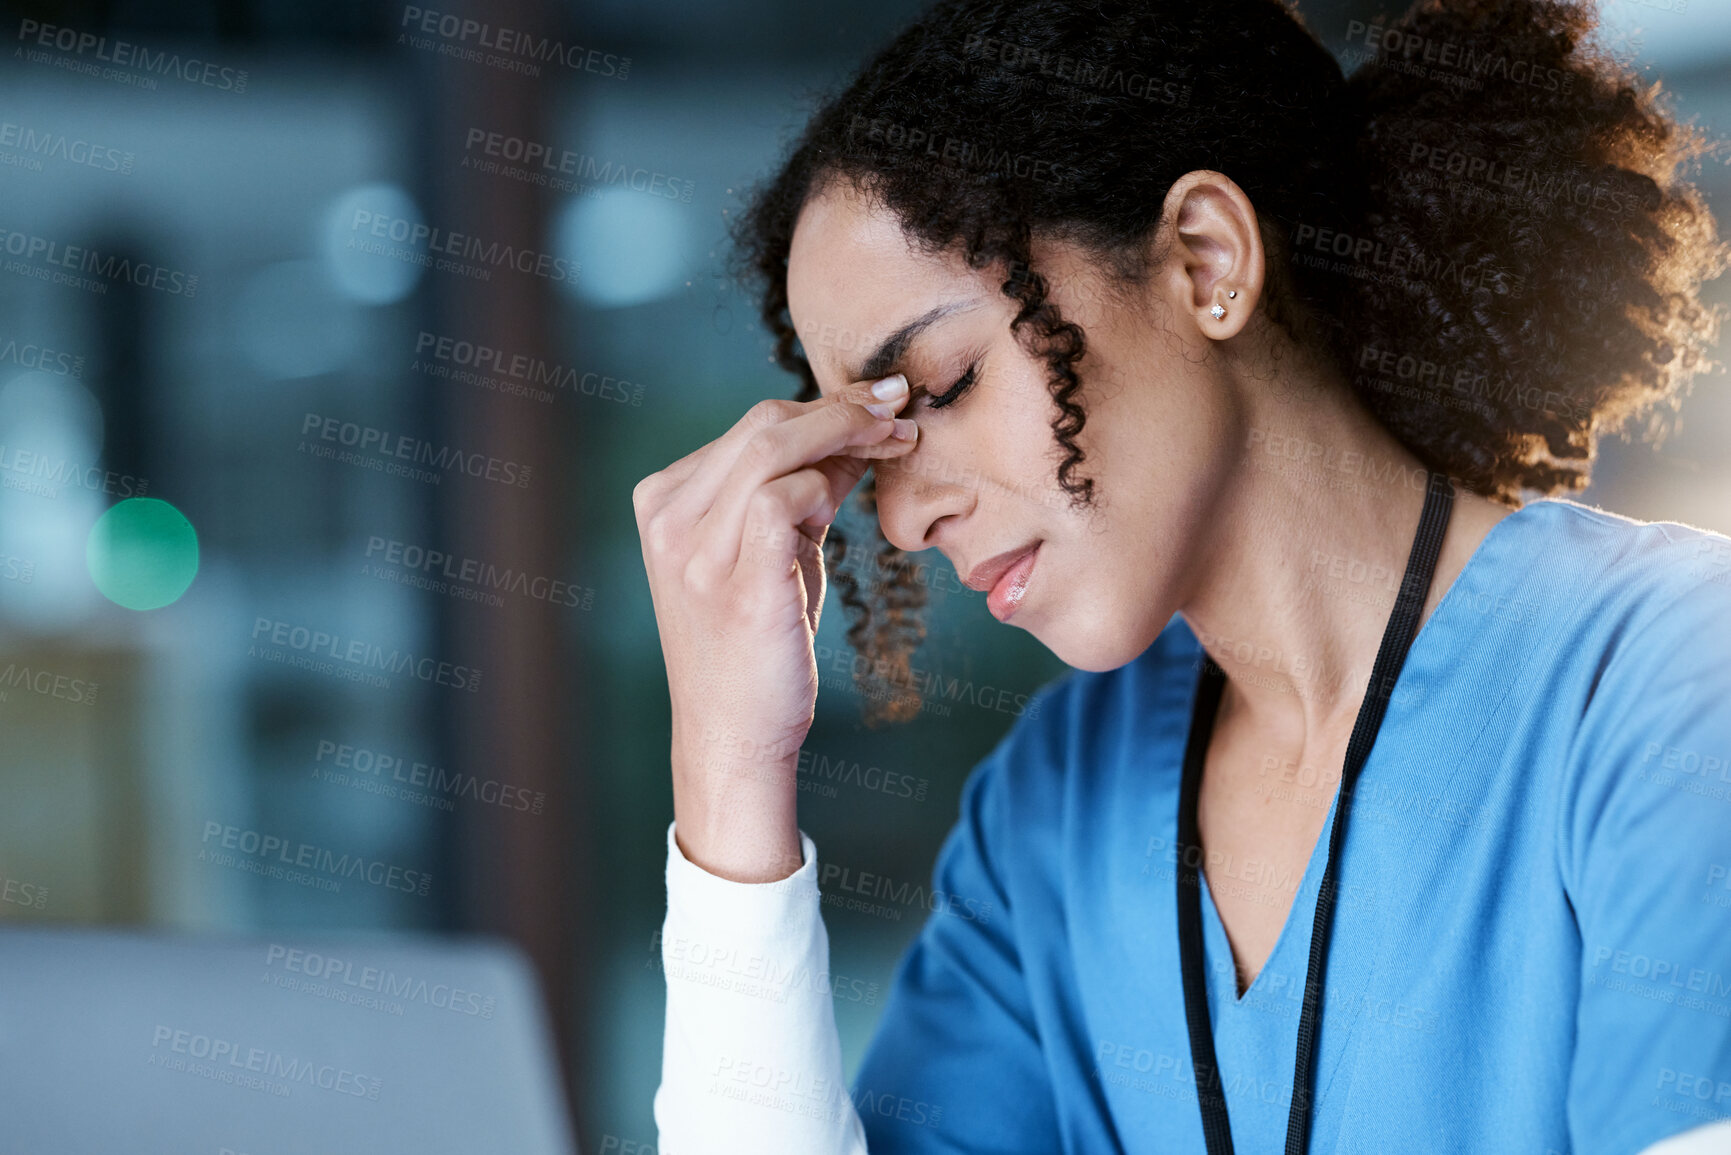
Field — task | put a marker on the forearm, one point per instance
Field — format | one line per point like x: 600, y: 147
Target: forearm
x: 751, y: 1062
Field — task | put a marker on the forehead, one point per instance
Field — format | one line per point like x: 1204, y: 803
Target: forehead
x: 853, y: 277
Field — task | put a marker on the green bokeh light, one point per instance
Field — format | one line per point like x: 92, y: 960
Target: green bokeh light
x: 142, y: 553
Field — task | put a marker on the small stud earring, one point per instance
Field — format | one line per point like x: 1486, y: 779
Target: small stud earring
x: 1217, y: 312
x: 1231, y: 294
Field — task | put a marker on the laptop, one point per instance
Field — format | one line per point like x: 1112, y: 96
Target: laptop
x: 114, y: 1041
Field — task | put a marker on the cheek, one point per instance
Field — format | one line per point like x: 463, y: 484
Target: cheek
x: 995, y: 443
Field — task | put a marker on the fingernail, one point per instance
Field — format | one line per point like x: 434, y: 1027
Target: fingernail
x: 904, y: 428
x: 880, y: 410
x: 890, y: 388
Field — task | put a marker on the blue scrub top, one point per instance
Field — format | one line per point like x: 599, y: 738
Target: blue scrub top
x: 1531, y: 950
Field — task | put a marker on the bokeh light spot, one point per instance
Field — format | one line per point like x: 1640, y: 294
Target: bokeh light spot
x: 631, y: 248
x: 142, y: 553
x: 372, y: 243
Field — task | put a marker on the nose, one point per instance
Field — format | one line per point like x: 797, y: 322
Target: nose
x: 917, y: 492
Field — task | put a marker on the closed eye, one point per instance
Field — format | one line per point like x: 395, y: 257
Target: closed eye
x: 950, y: 395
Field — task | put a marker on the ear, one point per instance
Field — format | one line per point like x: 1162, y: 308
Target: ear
x: 1213, y: 248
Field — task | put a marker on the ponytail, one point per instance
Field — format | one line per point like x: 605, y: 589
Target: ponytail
x: 1540, y: 252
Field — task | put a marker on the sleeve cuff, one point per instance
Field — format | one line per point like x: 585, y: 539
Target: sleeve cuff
x: 778, y: 911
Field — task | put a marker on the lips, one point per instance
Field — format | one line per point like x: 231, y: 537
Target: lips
x: 1005, y: 577
x: 985, y: 575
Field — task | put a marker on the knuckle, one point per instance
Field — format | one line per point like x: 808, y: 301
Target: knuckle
x: 764, y: 447
x: 813, y: 483
x: 659, y: 535
x: 770, y: 411
x: 645, y: 496
x: 701, y: 577
x: 768, y: 504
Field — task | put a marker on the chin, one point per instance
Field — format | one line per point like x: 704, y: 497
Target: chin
x: 1097, y: 646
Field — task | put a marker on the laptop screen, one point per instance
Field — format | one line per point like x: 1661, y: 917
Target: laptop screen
x: 115, y: 1041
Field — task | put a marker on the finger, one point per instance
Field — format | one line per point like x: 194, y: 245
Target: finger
x: 844, y: 472
x: 678, y: 472
x: 707, y: 476
x: 763, y: 412
x: 904, y: 437
x: 781, y: 449
x: 772, y: 542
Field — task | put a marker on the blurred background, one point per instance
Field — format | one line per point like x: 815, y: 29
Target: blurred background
x: 362, y: 338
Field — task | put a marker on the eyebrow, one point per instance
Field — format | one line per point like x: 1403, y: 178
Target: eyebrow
x: 893, y: 348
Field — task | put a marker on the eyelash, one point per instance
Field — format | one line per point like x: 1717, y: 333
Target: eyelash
x: 950, y: 395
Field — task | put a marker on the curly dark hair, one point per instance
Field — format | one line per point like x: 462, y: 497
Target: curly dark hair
x: 1486, y: 228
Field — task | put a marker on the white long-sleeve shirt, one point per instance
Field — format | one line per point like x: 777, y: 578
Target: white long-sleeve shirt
x: 750, y: 1059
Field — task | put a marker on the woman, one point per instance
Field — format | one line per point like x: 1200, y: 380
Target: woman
x: 1389, y: 806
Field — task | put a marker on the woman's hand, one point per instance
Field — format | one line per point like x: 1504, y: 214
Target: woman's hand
x: 732, y: 540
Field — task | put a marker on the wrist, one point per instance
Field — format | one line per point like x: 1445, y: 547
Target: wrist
x: 747, y: 848
x: 735, y: 801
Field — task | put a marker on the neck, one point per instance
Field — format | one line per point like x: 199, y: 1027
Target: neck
x: 1306, y: 553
